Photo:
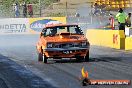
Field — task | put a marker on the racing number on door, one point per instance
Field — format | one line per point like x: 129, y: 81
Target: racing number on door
x: 115, y: 39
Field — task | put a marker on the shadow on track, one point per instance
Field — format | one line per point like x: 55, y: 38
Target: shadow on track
x: 69, y: 61
x: 100, y: 59
x: 105, y: 59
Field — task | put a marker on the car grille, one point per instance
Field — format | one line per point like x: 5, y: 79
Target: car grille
x: 67, y: 45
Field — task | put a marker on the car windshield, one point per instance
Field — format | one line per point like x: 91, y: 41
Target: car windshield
x: 61, y: 29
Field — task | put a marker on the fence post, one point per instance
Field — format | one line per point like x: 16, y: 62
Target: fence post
x: 40, y: 8
x: 66, y: 8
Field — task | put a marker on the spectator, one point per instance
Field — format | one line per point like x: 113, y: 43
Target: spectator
x: 77, y: 15
x: 16, y: 9
x: 103, y: 9
x: 96, y: 8
x: 24, y: 10
x: 121, y: 17
x: 30, y: 9
x: 128, y: 20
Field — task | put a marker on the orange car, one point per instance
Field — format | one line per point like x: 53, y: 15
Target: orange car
x: 62, y: 41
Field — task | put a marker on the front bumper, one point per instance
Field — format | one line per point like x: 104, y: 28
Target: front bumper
x: 66, y: 52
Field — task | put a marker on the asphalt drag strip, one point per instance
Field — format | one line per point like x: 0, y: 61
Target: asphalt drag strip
x: 13, y: 75
x: 19, y: 66
x: 3, y: 84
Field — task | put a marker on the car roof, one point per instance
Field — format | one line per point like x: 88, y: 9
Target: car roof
x: 57, y: 25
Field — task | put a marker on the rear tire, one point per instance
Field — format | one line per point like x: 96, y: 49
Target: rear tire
x: 87, y: 57
x: 40, y: 57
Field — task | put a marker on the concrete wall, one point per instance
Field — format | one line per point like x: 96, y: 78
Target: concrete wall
x: 128, y: 43
x: 108, y: 38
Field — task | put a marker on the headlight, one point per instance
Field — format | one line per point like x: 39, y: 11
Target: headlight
x: 49, y: 45
x: 84, y: 43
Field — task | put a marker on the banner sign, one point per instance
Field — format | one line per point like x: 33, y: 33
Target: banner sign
x: 27, y: 25
x: 37, y: 24
x: 13, y: 25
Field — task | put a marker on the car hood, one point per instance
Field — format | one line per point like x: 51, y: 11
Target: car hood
x: 70, y: 38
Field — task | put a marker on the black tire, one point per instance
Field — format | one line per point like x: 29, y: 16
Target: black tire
x: 44, y: 58
x: 40, y: 57
x: 79, y: 59
x: 87, y: 57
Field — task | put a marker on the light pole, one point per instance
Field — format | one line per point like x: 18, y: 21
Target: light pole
x: 40, y: 8
x: 66, y: 9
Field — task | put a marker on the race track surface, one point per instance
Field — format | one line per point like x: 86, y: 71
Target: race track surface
x: 19, y: 66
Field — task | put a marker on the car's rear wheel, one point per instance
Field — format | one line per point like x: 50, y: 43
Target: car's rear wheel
x: 87, y: 57
x: 40, y: 57
x: 44, y: 58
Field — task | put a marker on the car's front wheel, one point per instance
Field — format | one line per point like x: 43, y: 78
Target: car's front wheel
x: 87, y: 57
x: 79, y: 58
x: 44, y: 58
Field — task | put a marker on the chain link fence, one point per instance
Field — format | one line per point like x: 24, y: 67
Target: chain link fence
x: 86, y: 18
x: 9, y: 12
x: 65, y: 8
x: 7, y: 7
x: 36, y: 10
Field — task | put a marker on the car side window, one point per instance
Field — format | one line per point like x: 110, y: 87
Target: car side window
x: 78, y: 30
x: 44, y: 32
x: 72, y: 30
